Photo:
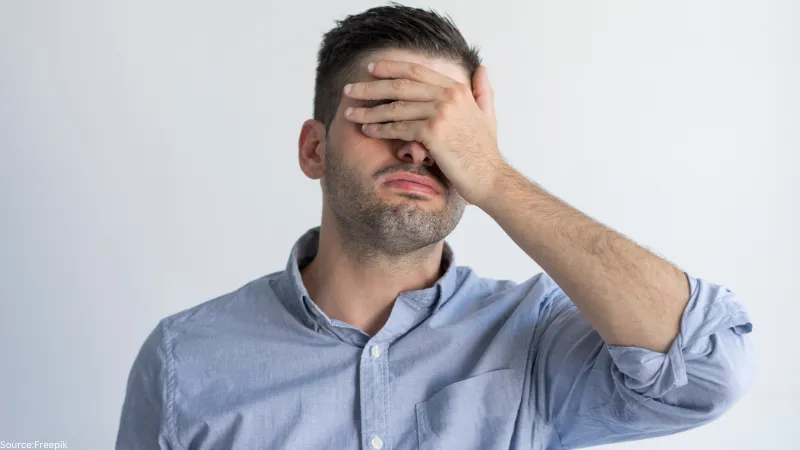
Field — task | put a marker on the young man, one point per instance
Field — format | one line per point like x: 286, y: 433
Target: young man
x: 373, y: 338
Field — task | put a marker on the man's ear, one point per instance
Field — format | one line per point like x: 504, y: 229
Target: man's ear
x: 311, y: 145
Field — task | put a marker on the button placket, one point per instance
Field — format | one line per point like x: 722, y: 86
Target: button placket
x: 374, y: 392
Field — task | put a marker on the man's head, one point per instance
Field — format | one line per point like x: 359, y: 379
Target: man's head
x: 353, y: 167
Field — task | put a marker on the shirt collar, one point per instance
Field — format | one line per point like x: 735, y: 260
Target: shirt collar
x: 305, y: 249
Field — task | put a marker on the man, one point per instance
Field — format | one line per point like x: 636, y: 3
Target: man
x: 373, y: 338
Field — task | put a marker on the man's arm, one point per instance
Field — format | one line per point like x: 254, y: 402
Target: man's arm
x: 630, y: 296
x: 628, y: 346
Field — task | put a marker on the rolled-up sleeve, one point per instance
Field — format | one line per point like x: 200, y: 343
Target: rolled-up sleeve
x: 144, y: 420
x: 594, y: 393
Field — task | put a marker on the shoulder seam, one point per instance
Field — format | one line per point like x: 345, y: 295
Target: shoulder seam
x: 170, y: 382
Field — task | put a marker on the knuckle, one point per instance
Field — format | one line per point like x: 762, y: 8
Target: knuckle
x: 443, y: 109
x: 451, y: 93
x: 398, y: 84
x: 418, y: 70
x: 458, y: 92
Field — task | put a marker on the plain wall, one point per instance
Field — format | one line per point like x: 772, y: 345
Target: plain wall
x: 149, y: 163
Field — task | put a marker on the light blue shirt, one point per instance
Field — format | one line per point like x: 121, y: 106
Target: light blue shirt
x: 469, y: 363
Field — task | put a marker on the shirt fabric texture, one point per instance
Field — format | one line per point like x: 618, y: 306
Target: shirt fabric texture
x: 469, y: 363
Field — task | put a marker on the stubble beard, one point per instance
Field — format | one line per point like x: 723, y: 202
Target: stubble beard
x: 373, y: 226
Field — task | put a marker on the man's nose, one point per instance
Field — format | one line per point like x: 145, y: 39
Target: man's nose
x: 415, y: 153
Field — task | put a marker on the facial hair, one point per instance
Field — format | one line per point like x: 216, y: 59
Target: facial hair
x: 371, y: 225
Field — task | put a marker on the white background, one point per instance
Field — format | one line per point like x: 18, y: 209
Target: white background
x: 149, y: 163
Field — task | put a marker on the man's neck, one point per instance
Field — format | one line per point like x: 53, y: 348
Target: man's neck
x: 361, y: 291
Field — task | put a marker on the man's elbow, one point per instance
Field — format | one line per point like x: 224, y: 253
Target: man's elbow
x: 716, y: 385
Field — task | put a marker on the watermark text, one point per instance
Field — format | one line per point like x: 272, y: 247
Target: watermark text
x: 33, y: 444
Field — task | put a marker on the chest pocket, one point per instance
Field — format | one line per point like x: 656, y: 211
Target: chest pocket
x: 477, y: 413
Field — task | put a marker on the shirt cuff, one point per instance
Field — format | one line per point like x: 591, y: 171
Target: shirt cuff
x: 712, y: 310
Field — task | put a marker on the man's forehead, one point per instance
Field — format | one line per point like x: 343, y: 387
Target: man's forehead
x: 447, y: 67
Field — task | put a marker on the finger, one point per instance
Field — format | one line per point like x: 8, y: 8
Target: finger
x: 410, y: 130
x: 411, y: 71
x: 391, y: 112
x: 397, y: 89
x: 482, y: 91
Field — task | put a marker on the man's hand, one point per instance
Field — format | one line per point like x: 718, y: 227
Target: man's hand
x: 455, y: 123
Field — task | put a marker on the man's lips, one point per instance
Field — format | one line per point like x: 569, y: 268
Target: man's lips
x: 412, y: 182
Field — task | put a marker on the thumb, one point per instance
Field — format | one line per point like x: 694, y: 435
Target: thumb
x: 482, y: 91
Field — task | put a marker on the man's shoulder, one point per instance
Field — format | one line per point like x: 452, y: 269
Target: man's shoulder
x: 187, y: 342
x: 533, y: 292
x: 539, y: 285
x: 253, y: 299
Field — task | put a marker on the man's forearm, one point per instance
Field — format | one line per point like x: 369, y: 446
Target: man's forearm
x: 629, y: 295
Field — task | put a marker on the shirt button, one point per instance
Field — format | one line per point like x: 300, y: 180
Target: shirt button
x: 375, y: 351
x: 376, y: 443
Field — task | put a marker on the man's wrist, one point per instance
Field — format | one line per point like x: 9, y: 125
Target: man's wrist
x: 506, y: 180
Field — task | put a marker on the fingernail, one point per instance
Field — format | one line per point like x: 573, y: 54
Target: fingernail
x: 348, y: 111
x: 370, y: 66
x: 348, y: 88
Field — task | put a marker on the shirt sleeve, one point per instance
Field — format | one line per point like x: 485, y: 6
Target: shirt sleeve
x: 144, y: 420
x: 593, y: 393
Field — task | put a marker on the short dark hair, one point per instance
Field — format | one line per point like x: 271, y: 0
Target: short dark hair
x: 383, y: 27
